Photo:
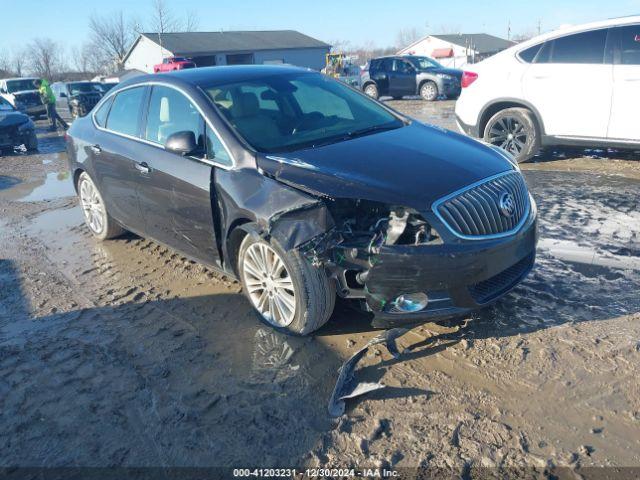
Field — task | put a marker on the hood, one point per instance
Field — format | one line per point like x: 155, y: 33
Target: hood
x: 11, y: 119
x: 22, y: 92
x: 454, y: 72
x: 451, y: 71
x: 410, y: 166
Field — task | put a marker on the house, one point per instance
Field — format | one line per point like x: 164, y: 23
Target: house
x: 456, y: 50
x: 228, y: 48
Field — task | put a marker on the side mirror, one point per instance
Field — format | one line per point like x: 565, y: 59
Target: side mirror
x: 63, y: 95
x: 182, y: 143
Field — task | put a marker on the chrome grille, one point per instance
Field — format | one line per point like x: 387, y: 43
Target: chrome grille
x: 475, y: 212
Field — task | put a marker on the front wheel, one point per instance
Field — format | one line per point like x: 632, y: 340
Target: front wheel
x: 286, y: 290
x: 100, y: 223
x: 429, y: 91
x: 514, y: 130
x: 372, y: 90
x: 32, y: 143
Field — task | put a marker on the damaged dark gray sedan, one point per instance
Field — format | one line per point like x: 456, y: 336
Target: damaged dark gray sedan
x: 304, y: 189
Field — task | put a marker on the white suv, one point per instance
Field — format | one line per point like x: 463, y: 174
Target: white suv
x: 577, y: 86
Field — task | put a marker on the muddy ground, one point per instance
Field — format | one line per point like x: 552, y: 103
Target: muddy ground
x: 123, y: 353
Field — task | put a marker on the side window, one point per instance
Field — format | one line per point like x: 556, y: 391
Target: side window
x: 215, y: 149
x: 170, y: 112
x: 101, y: 115
x: 400, y: 66
x: 386, y: 65
x: 124, y: 115
x: 586, y: 47
x: 629, y: 41
x: 530, y: 53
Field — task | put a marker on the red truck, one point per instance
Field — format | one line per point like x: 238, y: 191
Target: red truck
x: 173, y: 63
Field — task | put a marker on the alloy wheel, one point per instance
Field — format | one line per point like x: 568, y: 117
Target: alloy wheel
x: 269, y: 284
x: 429, y: 91
x: 94, y: 211
x: 509, y: 134
x: 371, y: 91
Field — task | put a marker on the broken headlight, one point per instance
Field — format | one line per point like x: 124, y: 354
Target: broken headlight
x: 372, y: 224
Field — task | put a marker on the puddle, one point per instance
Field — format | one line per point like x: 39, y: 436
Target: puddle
x: 55, y: 221
x: 54, y: 186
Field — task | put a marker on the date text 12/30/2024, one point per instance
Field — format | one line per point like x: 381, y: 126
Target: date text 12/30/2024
x: 314, y: 473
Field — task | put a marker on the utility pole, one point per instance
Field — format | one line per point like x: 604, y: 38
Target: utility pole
x: 509, y: 30
x: 539, y: 26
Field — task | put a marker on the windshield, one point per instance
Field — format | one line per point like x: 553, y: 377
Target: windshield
x: 20, y: 85
x: 5, y: 106
x: 424, y: 63
x: 289, y: 112
x: 83, y: 87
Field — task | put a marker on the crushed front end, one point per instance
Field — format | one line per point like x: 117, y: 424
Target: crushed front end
x: 462, y: 252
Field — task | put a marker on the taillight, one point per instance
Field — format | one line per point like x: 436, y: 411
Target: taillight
x: 468, y: 78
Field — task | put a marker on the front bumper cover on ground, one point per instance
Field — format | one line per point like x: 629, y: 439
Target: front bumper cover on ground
x: 458, y: 277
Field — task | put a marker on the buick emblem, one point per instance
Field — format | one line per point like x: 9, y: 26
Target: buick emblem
x: 507, y: 204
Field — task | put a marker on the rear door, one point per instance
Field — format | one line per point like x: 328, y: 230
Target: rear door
x: 402, y: 78
x: 175, y: 190
x: 570, y: 84
x: 115, y: 155
x: 625, y: 122
x: 379, y: 72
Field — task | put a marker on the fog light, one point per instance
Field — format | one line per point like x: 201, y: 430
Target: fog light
x: 411, y: 302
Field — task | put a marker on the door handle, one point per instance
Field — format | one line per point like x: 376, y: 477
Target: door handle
x: 142, y: 167
x: 96, y: 149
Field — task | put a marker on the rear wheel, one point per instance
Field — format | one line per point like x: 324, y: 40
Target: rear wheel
x: 514, y: 130
x: 372, y: 90
x: 429, y: 91
x: 100, y: 223
x: 287, y: 292
x: 32, y: 143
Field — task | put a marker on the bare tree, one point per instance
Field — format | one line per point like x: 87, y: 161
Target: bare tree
x: 407, y: 36
x: 18, y: 62
x: 111, y: 37
x: 191, y: 21
x: 45, y: 58
x: 85, y: 60
x: 5, y: 66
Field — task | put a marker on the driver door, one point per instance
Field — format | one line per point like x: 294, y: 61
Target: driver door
x: 175, y: 190
x: 402, y: 79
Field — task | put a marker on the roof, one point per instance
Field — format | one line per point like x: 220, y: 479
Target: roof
x: 480, y: 42
x: 219, y: 75
x: 19, y: 78
x: 197, y: 43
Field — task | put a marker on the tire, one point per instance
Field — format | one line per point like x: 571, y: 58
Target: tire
x: 516, y: 131
x: 100, y: 223
x: 32, y: 143
x: 429, y: 91
x: 307, y: 296
x: 371, y: 89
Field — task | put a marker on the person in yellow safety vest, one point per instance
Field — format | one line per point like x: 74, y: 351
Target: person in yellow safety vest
x: 49, y: 100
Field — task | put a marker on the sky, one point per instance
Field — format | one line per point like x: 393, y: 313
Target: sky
x: 355, y: 21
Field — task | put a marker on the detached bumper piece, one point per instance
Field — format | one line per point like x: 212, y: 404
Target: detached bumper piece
x: 457, y: 277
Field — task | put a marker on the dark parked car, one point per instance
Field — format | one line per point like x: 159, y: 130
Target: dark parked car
x: 302, y: 187
x: 15, y: 129
x: 77, y: 97
x: 410, y: 75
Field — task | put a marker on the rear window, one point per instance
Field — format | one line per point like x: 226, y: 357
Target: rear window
x: 629, y: 44
x: 101, y: 115
x: 530, y: 53
x: 586, y: 47
x: 124, y: 115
